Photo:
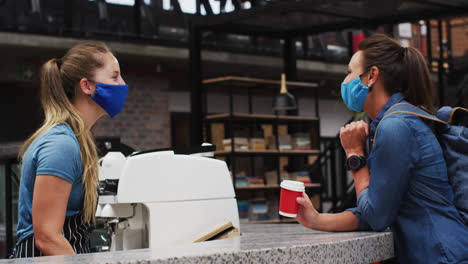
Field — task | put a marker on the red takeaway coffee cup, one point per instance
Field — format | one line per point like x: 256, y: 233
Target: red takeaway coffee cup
x: 290, y: 190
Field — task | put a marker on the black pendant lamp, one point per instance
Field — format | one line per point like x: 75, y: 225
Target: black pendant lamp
x: 284, y: 100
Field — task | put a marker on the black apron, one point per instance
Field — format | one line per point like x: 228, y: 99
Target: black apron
x: 74, y: 230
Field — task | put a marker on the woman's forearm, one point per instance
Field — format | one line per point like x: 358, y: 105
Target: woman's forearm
x: 345, y: 221
x: 54, y: 245
x: 361, y: 179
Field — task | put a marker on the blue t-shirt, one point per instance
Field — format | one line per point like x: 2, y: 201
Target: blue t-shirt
x: 57, y: 153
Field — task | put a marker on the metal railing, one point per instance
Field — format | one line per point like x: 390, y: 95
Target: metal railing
x: 150, y: 23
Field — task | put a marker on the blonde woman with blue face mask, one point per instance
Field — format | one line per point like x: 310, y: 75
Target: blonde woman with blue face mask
x: 59, y: 176
x: 400, y: 181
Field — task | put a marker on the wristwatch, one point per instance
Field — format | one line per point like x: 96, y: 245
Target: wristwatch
x: 355, y: 162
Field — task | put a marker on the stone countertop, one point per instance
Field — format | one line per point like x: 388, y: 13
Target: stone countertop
x: 258, y: 243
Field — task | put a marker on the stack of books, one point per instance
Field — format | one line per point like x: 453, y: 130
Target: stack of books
x: 255, y: 181
x: 241, y: 181
x: 302, y: 141
x: 257, y: 143
x: 303, y: 176
x: 243, y: 208
x: 285, y: 142
x: 240, y: 143
x: 258, y: 210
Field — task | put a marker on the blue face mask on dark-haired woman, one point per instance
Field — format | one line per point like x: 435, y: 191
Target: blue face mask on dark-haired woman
x: 354, y: 94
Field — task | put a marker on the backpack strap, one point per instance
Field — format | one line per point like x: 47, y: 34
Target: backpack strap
x: 457, y: 114
x: 407, y: 108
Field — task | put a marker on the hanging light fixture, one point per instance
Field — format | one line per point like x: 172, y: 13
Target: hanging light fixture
x: 284, y: 100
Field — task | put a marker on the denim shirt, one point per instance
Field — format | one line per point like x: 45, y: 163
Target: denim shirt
x: 406, y: 166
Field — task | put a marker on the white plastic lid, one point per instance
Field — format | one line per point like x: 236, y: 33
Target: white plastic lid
x: 296, y: 186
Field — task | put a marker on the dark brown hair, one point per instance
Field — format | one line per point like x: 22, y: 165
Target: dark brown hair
x: 403, y: 69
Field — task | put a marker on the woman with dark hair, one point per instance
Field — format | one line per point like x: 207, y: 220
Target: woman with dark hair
x: 396, y: 182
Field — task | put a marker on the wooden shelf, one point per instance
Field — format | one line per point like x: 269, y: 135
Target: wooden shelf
x: 256, y: 187
x: 276, y: 221
x: 254, y: 82
x: 259, y: 117
x: 267, y: 152
x: 224, y: 125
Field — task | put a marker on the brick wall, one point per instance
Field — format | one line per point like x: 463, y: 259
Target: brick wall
x: 144, y: 122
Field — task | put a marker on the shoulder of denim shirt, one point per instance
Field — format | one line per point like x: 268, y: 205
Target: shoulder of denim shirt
x: 397, y: 127
x: 415, y: 123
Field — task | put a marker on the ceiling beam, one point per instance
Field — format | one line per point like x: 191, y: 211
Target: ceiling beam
x: 444, y: 3
x: 353, y: 14
x: 409, y: 16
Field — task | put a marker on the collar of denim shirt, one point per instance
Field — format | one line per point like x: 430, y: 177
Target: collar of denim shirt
x: 394, y: 99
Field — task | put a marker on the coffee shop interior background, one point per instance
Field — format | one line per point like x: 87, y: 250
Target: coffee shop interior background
x: 240, y: 79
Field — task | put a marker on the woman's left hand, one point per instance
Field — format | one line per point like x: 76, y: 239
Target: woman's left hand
x: 353, y: 137
x: 307, y: 215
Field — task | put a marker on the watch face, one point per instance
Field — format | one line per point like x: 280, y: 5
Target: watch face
x: 354, y: 162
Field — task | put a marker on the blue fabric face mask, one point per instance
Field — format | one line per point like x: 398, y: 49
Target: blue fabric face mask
x: 110, y: 97
x: 354, y: 94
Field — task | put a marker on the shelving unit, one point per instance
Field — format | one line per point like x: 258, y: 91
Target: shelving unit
x: 278, y: 124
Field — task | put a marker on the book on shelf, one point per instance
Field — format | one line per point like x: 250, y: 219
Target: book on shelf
x: 241, y: 181
x: 257, y: 143
x: 255, y: 181
x: 270, y: 139
x: 258, y: 210
x: 303, y: 176
x: 243, y: 208
x: 240, y: 143
x: 285, y: 142
x: 302, y: 141
x: 271, y: 178
x: 270, y: 142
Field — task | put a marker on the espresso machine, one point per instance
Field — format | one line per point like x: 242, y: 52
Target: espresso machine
x: 159, y: 198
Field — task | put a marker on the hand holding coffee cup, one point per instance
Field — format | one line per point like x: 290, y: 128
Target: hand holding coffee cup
x: 290, y: 191
x: 307, y: 215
